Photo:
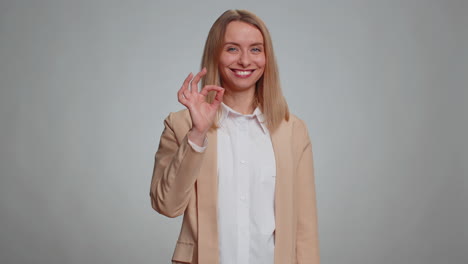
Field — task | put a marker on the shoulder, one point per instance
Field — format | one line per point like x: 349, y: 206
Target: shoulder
x: 292, y: 136
x: 295, y: 120
x: 294, y: 131
x: 179, y: 116
x: 296, y: 126
x: 179, y: 121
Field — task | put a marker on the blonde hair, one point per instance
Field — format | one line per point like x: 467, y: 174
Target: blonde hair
x: 268, y: 94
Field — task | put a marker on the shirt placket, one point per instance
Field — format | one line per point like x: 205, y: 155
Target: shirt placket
x: 243, y: 191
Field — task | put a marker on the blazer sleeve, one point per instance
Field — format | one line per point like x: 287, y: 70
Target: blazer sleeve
x: 307, y: 244
x: 175, y: 171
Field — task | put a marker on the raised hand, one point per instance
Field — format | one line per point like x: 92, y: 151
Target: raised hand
x: 202, y: 113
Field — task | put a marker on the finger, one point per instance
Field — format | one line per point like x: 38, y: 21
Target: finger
x: 219, y: 93
x: 196, y: 80
x: 187, y: 81
x: 184, y: 85
x: 209, y: 88
x: 186, y: 94
x: 218, y: 98
x: 182, y: 100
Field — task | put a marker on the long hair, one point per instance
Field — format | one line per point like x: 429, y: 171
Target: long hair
x: 268, y: 94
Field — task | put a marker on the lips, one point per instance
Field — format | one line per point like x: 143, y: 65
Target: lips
x: 242, y: 73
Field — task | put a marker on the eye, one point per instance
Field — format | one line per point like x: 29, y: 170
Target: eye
x: 231, y: 49
x: 256, y: 50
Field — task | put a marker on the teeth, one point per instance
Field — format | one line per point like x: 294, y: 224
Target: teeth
x: 243, y: 72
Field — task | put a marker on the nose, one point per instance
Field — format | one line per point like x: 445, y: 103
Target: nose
x: 244, y: 59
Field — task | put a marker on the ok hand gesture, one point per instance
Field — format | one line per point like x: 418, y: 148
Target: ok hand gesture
x: 202, y: 113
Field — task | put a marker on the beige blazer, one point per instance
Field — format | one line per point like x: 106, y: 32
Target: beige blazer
x: 186, y: 182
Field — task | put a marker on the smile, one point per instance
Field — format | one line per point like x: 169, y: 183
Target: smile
x: 243, y: 73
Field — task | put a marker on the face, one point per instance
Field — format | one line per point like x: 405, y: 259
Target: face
x: 242, y: 60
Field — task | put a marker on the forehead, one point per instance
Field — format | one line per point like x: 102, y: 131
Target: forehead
x: 242, y: 33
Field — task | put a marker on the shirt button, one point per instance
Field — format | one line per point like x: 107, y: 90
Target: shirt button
x: 243, y: 161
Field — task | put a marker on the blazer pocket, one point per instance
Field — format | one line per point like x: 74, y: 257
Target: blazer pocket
x: 183, y: 252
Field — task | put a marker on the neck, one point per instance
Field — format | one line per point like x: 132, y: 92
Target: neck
x: 240, y: 101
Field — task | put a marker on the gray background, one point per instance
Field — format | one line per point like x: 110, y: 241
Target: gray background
x: 85, y: 86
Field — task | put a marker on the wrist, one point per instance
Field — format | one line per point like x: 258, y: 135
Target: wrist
x: 196, y: 136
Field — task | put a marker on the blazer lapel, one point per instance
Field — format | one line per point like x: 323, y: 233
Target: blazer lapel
x: 207, y: 197
x: 283, y: 195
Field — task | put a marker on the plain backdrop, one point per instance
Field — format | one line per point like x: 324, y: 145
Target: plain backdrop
x: 85, y: 86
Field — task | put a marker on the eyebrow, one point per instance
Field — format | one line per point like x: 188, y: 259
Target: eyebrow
x: 237, y: 44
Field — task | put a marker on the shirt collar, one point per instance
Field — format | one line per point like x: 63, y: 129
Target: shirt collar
x: 257, y: 114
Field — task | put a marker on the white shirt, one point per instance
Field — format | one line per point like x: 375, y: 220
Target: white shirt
x: 246, y: 187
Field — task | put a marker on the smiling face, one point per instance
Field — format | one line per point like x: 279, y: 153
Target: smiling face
x: 242, y: 59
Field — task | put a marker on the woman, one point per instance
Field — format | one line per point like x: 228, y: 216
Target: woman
x: 236, y: 163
